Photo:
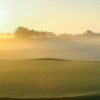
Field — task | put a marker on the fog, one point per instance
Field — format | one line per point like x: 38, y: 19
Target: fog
x: 70, y: 49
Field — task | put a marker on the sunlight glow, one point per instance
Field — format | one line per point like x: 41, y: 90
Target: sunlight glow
x: 2, y: 15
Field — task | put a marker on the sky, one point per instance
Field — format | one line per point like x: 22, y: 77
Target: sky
x: 58, y: 16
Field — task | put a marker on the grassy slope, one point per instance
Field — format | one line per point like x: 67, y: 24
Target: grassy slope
x: 48, y: 78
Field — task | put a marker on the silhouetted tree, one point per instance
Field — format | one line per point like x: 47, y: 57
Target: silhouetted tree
x: 43, y: 34
x: 32, y: 32
x: 50, y: 35
x: 64, y: 35
x: 2, y: 34
x: 37, y: 34
x: 22, y: 32
x: 8, y: 33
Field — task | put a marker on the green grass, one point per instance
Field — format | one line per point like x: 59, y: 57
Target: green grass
x: 48, y: 78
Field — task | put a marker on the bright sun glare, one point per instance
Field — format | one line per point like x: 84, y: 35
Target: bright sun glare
x: 2, y: 15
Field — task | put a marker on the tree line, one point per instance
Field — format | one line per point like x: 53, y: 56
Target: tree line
x: 88, y: 33
x: 22, y: 32
x: 7, y: 33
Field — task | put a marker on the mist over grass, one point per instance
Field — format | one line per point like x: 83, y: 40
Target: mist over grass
x: 70, y: 49
x: 46, y: 77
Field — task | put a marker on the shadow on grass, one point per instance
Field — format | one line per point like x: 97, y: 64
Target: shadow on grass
x: 52, y: 59
x: 67, y: 98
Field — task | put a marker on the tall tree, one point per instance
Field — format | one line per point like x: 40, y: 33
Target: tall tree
x: 22, y: 32
x: 43, y: 34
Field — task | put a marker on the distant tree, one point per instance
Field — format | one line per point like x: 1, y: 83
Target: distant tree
x: 65, y: 35
x: 8, y: 33
x: 1, y: 33
x: 43, y: 34
x: 32, y: 32
x: 37, y: 34
x: 50, y: 35
x: 90, y: 34
x: 22, y: 32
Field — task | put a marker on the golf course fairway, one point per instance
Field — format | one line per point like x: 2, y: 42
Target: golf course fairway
x: 48, y: 78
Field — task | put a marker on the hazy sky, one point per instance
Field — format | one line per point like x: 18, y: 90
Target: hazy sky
x: 59, y: 16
